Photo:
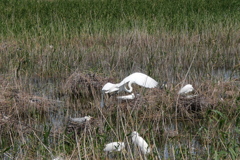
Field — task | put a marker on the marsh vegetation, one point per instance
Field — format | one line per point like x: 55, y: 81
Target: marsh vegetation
x: 56, y: 55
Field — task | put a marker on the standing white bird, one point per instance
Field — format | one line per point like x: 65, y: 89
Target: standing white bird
x: 114, y: 146
x: 186, y: 89
x: 137, y: 78
x: 140, y: 142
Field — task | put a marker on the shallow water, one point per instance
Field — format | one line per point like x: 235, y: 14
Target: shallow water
x: 58, y: 117
x: 225, y: 74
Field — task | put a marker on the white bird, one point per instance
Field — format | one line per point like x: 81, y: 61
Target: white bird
x: 130, y: 96
x: 186, y: 89
x: 137, y: 78
x: 58, y: 158
x: 114, y: 146
x: 140, y: 142
x: 81, y: 119
x: 191, y: 96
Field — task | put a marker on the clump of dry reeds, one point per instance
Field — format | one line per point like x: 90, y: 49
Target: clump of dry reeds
x: 19, y: 103
x: 95, y: 124
x: 84, y: 85
x: 20, y: 110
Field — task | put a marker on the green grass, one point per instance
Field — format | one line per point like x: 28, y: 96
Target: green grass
x: 68, y: 18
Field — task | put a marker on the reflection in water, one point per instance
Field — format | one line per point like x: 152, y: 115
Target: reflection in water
x: 225, y: 74
x: 171, y: 149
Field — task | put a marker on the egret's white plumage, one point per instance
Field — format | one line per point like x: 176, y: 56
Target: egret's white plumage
x: 114, y: 146
x: 186, y: 89
x: 109, y: 87
x: 191, y: 96
x: 58, y: 158
x: 135, y: 78
x: 139, y: 79
x: 81, y: 119
x: 140, y: 142
x: 130, y: 96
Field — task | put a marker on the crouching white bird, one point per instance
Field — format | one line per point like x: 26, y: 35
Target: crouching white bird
x: 81, y: 119
x: 130, y: 96
x: 140, y: 142
x: 58, y: 158
x: 137, y: 78
x: 186, y: 89
x: 114, y: 146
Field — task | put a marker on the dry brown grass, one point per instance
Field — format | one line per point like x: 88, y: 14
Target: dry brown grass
x: 19, y: 109
x: 84, y: 85
x: 53, y: 68
x: 88, y: 87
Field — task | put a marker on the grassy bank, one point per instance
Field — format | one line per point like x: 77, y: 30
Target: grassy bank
x: 45, y: 44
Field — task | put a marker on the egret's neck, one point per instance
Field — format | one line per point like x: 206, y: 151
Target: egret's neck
x: 129, y: 86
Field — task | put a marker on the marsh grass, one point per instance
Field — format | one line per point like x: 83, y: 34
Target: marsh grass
x: 45, y: 46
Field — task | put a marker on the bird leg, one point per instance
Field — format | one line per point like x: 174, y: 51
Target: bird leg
x: 102, y: 100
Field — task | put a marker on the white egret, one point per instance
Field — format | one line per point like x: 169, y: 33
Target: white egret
x: 130, y: 96
x: 109, y: 87
x: 58, y: 158
x: 114, y: 146
x: 137, y: 78
x: 191, y: 96
x: 140, y: 142
x: 81, y: 119
x: 164, y: 86
x: 186, y: 89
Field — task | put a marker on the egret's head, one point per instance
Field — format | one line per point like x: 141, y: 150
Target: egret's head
x: 88, y: 118
x: 164, y: 85
x: 134, y: 133
x: 121, y: 145
x: 110, y: 87
x: 132, y: 96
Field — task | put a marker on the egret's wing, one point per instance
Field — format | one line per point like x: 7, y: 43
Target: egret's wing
x: 187, y: 88
x: 143, y: 145
x: 78, y: 120
x: 110, y: 146
x: 113, y: 146
x: 142, y: 142
x: 107, y: 147
x: 140, y: 79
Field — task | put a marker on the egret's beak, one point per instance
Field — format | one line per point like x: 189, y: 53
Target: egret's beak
x: 91, y: 117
